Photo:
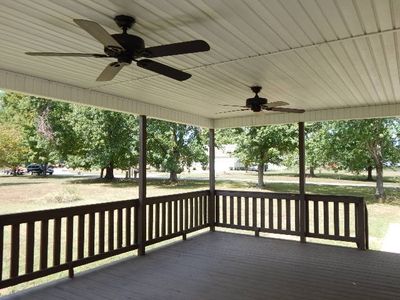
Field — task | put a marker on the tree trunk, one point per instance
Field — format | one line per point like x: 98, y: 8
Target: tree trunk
x: 369, y: 169
x: 379, y: 191
x: 14, y: 171
x: 260, y: 175
x: 109, y: 172
x: 101, y: 173
x: 173, y: 177
x: 45, y: 169
x: 312, y: 172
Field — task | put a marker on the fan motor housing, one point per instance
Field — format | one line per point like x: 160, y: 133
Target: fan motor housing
x: 256, y: 103
x: 133, y: 45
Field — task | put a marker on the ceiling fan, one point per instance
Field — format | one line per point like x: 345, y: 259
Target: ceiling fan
x: 257, y: 104
x: 126, y: 48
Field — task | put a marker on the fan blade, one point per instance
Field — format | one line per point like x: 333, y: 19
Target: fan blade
x: 233, y: 105
x: 98, y: 32
x: 163, y: 69
x: 110, y: 71
x: 66, y: 54
x: 275, y: 104
x: 290, y: 110
x: 229, y: 111
x: 177, y: 48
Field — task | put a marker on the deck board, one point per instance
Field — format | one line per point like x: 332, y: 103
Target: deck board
x: 231, y: 266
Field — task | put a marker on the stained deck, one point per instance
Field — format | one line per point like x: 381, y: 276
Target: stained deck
x: 232, y: 266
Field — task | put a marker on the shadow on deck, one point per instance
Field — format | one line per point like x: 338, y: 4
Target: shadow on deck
x: 217, y: 265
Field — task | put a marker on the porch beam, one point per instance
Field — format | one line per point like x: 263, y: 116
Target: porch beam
x: 302, y: 182
x: 211, y: 158
x: 142, y: 185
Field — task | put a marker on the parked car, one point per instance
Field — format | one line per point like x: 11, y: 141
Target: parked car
x: 39, y: 169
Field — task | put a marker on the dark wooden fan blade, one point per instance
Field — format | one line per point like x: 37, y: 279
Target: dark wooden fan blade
x: 275, y: 104
x: 66, y: 54
x: 233, y: 105
x: 163, y: 69
x: 229, y: 111
x: 289, y: 110
x: 98, y: 32
x: 177, y: 48
x: 110, y: 71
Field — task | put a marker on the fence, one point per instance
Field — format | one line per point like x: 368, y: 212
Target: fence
x: 40, y: 243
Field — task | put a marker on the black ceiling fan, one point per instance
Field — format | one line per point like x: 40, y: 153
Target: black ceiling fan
x: 257, y: 104
x: 127, y: 48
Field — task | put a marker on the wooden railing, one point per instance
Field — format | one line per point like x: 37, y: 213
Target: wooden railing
x: 41, y: 243
x: 341, y: 218
x: 176, y: 215
x: 261, y: 212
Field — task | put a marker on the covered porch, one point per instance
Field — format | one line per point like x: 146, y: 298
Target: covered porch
x: 337, y: 61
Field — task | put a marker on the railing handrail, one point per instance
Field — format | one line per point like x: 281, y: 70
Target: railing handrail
x: 339, y: 198
x: 172, y: 197
x: 54, y: 213
x: 257, y: 194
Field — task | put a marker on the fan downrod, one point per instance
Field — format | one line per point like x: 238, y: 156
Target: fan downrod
x: 256, y: 89
x: 124, y: 22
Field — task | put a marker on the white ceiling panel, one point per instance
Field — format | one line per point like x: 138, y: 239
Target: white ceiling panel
x: 334, y: 58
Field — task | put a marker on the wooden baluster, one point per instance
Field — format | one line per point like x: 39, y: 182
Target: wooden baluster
x: 91, y: 233
x: 119, y: 228
x: 346, y: 219
x: 163, y: 219
x: 170, y: 217
x: 1, y: 250
x: 336, y: 217
x: 181, y: 220
x: 316, y: 217
x: 14, y: 261
x: 288, y: 215
x: 150, y: 223
x: 217, y: 218
x: 44, y: 243
x: 279, y: 202
x: 262, y: 212
x: 175, y: 216
x: 297, y: 215
x: 254, y: 214
x: 196, y: 211
x: 186, y: 214
x: 30, y: 246
x: 69, y: 239
x: 191, y: 212
x: 246, y: 211
x: 326, y: 218
x: 102, y: 231
x: 81, y: 236
x: 136, y: 225
x: 157, y: 205
x: 205, y: 215
x: 224, y: 209
x: 111, y: 230
x: 231, y: 210
x: 271, y: 213
x: 239, y: 210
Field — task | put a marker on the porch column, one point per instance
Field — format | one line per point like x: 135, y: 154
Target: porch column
x: 142, y: 185
x: 211, y: 161
x: 302, y: 181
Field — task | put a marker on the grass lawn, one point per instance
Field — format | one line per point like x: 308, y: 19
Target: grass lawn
x: 27, y: 193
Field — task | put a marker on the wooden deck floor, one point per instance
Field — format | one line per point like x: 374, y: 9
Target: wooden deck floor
x: 231, y: 266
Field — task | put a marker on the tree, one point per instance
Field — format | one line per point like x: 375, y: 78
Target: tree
x: 315, y: 144
x: 12, y: 149
x: 357, y: 145
x: 104, y: 139
x: 172, y: 147
x: 263, y: 145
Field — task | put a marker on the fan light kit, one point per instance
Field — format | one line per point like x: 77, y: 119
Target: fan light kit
x: 127, y: 48
x: 257, y: 104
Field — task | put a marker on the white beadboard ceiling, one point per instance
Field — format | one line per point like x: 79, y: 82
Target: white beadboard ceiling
x: 336, y: 59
